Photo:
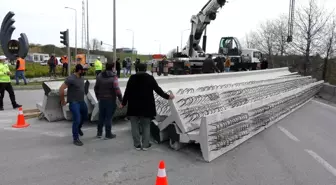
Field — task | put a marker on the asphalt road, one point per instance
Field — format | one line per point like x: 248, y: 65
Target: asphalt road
x: 27, y: 98
x: 296, y: 151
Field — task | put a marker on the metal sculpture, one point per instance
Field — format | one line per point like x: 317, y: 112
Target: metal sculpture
x: 12, y: 48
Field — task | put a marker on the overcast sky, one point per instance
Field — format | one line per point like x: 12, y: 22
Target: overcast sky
x: 161, y: 20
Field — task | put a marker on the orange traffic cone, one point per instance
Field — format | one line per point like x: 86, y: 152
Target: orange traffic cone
x: 161, y: 178
x: 21, y: 122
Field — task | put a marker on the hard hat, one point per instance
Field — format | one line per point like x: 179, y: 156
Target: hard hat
x: 2, y: 58
x: 98, y: 57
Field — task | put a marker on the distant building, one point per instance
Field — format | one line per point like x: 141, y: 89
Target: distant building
x: 126, y: 50
x: 37, y: 57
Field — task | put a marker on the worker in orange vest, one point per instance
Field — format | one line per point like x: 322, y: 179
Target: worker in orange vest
x: 20, y: 70
x: 65, y: 62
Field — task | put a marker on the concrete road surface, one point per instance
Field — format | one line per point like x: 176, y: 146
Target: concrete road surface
x: 299, y: 150
x: 27, y: 98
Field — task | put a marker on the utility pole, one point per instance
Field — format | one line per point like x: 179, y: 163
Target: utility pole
x: 87, y: 31
x: 75, y: 30
x: 114, y: 34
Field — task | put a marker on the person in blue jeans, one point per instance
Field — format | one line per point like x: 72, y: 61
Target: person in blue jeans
x: 75, y: 98
x: 107, y: 91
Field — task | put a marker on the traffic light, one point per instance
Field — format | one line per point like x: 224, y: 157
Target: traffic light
x: 65, y: 37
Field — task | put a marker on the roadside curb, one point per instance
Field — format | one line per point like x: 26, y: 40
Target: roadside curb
x: 28, y: 87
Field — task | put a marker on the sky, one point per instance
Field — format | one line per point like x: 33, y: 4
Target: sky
x: 157, y: 24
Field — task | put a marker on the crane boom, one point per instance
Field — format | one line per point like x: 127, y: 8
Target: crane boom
x: 199, y: 23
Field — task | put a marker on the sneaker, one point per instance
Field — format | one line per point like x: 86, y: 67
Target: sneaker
x: 80, y: 132
x: 146, y: 148
x: 1, y: 109
x: 110, y: 136
x: 138, y: 147
x: 77, y: 142
x: 99, y: 135
x: 16, y: 106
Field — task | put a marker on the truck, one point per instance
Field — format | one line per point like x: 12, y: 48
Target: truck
x: 191, y: 57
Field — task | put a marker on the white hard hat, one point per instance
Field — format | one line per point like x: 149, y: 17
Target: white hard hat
x: 98, y: 57
x: 2, y: 57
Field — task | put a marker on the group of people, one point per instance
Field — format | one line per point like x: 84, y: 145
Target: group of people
x: 138, y: 97
x: 5, y: 80
x: 220, y: 64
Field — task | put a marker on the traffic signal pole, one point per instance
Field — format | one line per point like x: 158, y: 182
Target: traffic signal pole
x: 65, y: 40
x: 69, y: 57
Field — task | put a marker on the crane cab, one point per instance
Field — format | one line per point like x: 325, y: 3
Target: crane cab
x: 230, y: 46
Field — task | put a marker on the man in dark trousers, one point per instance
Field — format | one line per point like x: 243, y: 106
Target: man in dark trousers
x: 118, y: 67
x: 209, y: 65
x: 141, y: 104
x: 220, y: 63
x: 75, y: 98
x: 52, y: 62
x: 5, y: 84
x: 264, y: 64
x: 107, y: 90
x: 124, y: 65
x: 137, y: 62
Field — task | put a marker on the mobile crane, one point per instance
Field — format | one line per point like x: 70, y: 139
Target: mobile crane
x: 192, y: 56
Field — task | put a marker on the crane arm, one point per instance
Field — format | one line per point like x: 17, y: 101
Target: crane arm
x: 199, y: 23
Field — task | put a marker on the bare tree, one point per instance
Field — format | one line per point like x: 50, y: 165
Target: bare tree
x: 95, y: 44
x: 309, y: 25
x: 330, y: 42
x: 280, y: 35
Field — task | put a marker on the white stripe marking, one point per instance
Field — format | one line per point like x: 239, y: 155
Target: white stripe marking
x: 323, y: 162
x: 288, y: 134
x: 324, y: 104
x: 161, y: 173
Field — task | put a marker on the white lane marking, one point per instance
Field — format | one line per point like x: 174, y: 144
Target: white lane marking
x: 323, y: 162
x: 324, y: 104
x: 288, y: 134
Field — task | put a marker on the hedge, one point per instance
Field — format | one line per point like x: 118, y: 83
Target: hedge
x: 35, y: 70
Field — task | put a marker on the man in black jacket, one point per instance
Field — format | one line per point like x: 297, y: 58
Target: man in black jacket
x: 141, y: 104
x: 209, y: 65
x: 118, y: 67
x: 107, y: 90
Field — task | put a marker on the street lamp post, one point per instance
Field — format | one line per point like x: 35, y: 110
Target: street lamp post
x: 75, y: 30
x: 159, y: 45
x: 182, y: 37
x: 114, y: 33
x: 132, y: 39
x: 87, y: 32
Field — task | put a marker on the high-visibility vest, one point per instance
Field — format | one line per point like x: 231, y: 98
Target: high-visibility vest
x: 4, y: 77
x: 98, y: 65
x: 22, y: 64
x: 64, y: 60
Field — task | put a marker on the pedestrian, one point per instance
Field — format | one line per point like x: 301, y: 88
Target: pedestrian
x: 20, y: 70
x: 107, y: 91
x: 52, y: 62
x: 5, y: 84
x: 118, y: 67
x: 209, y: 65
x: 219, y: 63
x: 98, y: 66
x: 124, y: 65
x: 64, y: 61
x: 264, y: 64
x: 137, y: 62
x: 141, y: 105
x: 128, y: 66
x: 75, y: 98
x: 227, y: 64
